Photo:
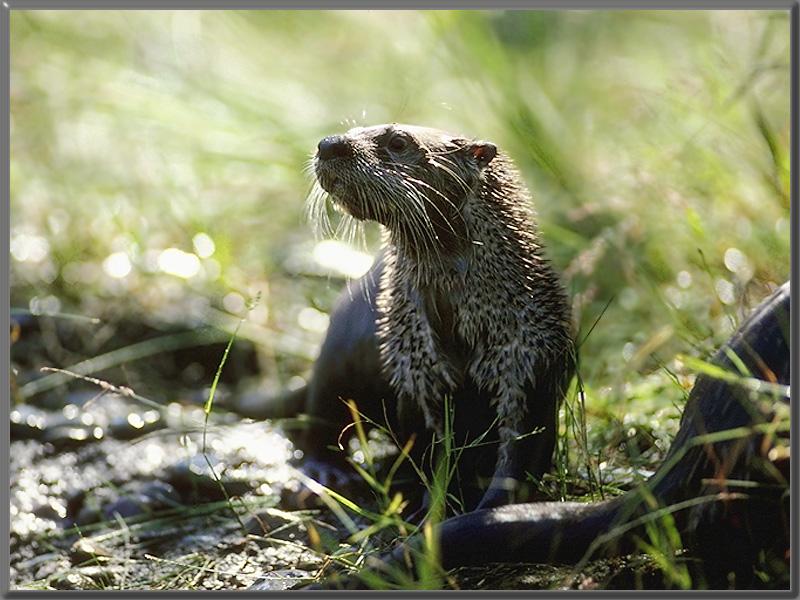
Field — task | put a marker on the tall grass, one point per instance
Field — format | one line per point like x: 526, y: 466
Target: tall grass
x: 157, y: 171
x: 656, y: 145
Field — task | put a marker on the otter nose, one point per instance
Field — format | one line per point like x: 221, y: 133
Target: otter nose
x: 333, y: 146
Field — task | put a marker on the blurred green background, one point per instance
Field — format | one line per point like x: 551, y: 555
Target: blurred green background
x: 158, y: 165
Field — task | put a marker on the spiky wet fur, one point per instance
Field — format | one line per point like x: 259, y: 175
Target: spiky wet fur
x: 460, y: 235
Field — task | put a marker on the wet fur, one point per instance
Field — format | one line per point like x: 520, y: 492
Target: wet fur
x: 724, y: 524
x: 461, y: 303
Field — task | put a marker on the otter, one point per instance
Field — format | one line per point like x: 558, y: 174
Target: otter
x: 725, y: 481
x: 461, y: 306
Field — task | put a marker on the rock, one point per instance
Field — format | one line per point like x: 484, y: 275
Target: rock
x: 282, y: 579
x: 71, y: 580
x: 104, y: 576
x: 86, y: 549
x: 92, y: 577
x: 277, y: 525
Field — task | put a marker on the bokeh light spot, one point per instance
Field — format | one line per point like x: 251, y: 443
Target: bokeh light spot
x: 117, y: 265
x: 179, y: 263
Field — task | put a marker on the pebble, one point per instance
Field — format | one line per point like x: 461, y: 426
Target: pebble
x: 72, y: 580
x: 86, y: 549
x: 269, y: 524
x: 92, y: 577
x: 282, y: 579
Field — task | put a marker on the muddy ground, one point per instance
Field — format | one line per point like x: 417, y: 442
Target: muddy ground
x: 106, y: 495
x: 112, y: 490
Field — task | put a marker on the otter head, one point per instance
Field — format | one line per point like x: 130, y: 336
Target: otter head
x: 413, y: 180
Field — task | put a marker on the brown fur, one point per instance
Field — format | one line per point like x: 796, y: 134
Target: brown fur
x: 466, y: 292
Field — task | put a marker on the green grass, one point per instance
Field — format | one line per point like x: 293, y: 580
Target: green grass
x: 656, y: 146
x: 647, y: 138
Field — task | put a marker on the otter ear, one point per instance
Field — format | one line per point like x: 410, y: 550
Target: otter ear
x: 482, y: 152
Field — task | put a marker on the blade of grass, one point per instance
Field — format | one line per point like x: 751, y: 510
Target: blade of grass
x: 209, y: 405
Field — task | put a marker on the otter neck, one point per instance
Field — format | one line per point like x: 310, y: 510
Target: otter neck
x: 441, y: 250
x: 431, y: 264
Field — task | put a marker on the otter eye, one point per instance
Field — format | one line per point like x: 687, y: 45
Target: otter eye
x: 397, y: 144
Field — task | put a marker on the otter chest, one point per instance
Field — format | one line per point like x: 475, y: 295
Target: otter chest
x: 441, y: 309
x: 430, y: 338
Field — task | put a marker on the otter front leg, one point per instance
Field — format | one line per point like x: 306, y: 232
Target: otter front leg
x: 527, y: 424
x: 417, y: 371
x: 348, y: 368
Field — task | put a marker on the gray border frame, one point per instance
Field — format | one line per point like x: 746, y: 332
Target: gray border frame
x: 5, y: 201
x: 5, y: 288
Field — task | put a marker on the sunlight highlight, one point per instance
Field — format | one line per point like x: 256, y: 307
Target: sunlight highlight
x: 341, y: 258
x: 179, y: 263
x: 117, y: 265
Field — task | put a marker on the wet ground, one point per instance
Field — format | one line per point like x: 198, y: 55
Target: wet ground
x: 110, y: 490
x: 109, y: 494
x: 106, y: 494
x: 113, y: 490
